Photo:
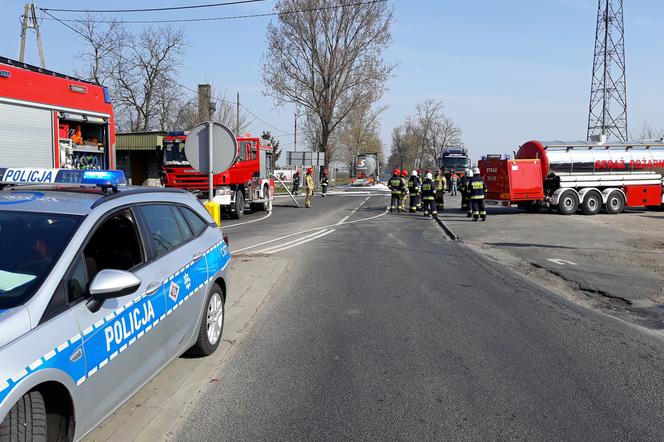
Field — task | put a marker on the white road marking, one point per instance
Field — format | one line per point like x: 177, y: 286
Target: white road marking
x: 297, y: 243
x: 289, y: 242
x: 315, y: 229
x: 562, y: 262
x: 246, y: 222
x: 345, y: 218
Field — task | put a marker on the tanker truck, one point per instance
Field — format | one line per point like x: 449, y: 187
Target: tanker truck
x: 585, y: 176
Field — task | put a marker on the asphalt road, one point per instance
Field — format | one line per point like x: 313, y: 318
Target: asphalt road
x: 384, y: 330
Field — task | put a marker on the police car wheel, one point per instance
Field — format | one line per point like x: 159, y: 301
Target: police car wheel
x: 212, y: 324
x: 26, y: 420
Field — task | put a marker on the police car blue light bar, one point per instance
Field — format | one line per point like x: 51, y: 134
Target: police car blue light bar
x: 100, y: 178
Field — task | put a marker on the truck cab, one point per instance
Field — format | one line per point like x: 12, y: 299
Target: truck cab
x: 248, y: 181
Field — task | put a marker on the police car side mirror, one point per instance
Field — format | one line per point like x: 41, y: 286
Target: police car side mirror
x: 110, y: 283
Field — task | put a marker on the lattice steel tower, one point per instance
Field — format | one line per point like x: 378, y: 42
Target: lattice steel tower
x: 608, y: 95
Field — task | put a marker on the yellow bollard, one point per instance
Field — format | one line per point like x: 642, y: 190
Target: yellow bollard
x: 215, y: 211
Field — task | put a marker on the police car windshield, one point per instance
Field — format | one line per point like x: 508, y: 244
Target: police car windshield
x: 30, y: 244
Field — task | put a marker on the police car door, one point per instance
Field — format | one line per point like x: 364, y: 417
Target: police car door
x: 122, y: 344
x: 185, y: 272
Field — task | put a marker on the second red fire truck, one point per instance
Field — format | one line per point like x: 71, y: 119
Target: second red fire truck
x: 248, y: 182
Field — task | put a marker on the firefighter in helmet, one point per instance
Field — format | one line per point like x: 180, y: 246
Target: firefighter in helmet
x: 477, y: 194
x: 324, y: 182
x: 465, y: 201
x: 429, y: 195
x: 414, y: 190
x: 396, y: 187
x: 419, y: 195
x: 309, y: 186
x: 441, y: 187
x: 296, y: 182
x: 404, y: 193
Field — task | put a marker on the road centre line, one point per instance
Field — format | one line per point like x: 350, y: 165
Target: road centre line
x: 297, y: 243
x: 248, y: 222
x: 344, y: 219
x: 289, y: 242
x: 354, y: 194
x: 315, y: 229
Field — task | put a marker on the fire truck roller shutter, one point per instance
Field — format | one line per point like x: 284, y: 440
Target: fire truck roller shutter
x: 26, y: 136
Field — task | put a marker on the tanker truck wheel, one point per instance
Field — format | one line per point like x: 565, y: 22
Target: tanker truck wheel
x: 568, y: 203
x: 592, y: 203
x: 615, y: 203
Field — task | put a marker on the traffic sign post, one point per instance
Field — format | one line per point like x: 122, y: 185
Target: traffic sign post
x: 211, y: 148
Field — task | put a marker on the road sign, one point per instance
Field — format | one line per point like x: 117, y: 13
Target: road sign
x: 314, y: 159
x: 223, y: 145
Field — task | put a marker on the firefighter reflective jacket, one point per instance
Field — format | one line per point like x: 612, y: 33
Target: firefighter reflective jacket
x: 441, y: 183
x: 396, y: 185
x: 324, y: 181
x: 428, y: 190
x: 477, y: 188
x: 414, y: 184
x: 309, y: 182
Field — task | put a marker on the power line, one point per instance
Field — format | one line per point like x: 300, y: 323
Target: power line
x: 283, y: 132
x: 234, y: 103
x: 231, y: 17
x: 172, y: 8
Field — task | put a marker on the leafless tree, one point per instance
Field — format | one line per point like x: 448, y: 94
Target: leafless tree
x: 326, y: 57
x: 140, y: 69
x: 359, y: 134
x: 648, y: 132
x: 144, y: 76
x: 434, y: 132
x: 403, y: 148
x: 420, y: 141
x: 101, y: 41
x: 185, y: 113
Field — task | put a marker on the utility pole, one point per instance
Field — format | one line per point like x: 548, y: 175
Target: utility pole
x: 608, y: 96
x: 30, y: 22
x: 295, y: 133
x: 237, y: 115
x: 204, y: 102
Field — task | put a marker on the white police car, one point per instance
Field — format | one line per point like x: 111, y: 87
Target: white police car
x: 101, y: 285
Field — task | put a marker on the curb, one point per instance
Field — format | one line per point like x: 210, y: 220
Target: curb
x: 450, y: 234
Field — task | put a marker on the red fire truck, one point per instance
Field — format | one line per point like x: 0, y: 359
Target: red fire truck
x: 53, y: 120
x: 248, y: 181
x: 572, y: 176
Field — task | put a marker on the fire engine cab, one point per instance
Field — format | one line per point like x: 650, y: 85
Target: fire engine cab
x: 53, y: 120
x: 248, y: 181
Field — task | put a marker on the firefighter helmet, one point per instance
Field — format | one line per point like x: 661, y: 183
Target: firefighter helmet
x: 396, y: 172
x: 476, y: 170
x: 310, y: 170
x: 414, y: 173
x: 404, y: 173
x: 428, y: 175
x: 469, y: 173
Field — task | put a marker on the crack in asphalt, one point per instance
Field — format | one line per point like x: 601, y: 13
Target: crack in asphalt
x: 586, y: 288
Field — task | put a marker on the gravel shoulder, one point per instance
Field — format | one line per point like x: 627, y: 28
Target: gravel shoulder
x: 610, y: 262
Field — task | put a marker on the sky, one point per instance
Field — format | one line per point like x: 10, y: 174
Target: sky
x: 506, y: 71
